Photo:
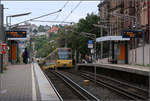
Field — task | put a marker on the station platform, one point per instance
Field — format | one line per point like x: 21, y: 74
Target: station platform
x: 140, y: 70
x: 26, y: 82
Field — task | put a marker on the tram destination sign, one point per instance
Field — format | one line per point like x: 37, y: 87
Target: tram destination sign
x: 16, y: 34
x: 132, y: 34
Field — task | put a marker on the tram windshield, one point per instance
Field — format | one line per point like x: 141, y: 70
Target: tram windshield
x: 64, y: 54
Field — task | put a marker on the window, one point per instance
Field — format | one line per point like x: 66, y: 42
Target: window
x: 64, y: 54
x: 130, y: 3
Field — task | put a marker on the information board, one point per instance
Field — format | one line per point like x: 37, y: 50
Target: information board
x: 16, y: 34
x: 132, y: 34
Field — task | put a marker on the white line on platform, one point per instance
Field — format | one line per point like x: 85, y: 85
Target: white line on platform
x: 34, y: 97
x: 46, y: 91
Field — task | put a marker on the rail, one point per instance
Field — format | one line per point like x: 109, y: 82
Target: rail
x: 61, y: 99
x: 120, y: 87
x: 59, y: 79
x: 88, y: 95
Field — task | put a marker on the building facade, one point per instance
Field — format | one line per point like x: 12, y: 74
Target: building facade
x: 127, y: 15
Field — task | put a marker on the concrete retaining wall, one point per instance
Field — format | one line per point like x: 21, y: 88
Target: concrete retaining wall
x: 105, y: 61
x: 134, y: 58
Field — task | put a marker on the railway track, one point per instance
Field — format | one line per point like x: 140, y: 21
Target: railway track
x: 123, y: 88
x: 68, y: 89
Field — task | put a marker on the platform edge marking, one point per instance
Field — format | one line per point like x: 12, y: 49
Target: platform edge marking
x: 34, y: 97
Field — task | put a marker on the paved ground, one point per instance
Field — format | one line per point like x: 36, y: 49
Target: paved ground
x: 142, y: 70
x: 25, y: 82
x: 16, y: 83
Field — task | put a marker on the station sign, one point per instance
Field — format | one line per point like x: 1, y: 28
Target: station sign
x: 16, y: 34
x: 132, y: 34
x: 3, y: 48
x: 21, y: 44
x: 90, y: 44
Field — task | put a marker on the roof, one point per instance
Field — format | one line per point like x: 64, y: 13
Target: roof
x: 102, y: 3
x: 53, y: 29
x: 111, y: 38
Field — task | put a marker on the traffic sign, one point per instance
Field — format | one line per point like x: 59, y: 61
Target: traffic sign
x: 132, y: 34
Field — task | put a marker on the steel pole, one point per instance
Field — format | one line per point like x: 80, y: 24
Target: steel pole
x: 148, y: 15
x: 109, y: 57
x: 75, y: 57
x: 101, y: 43
x: 6, y: 21
x: 135, y: 42
x: 2, y: 35
x: 66, y: 32
x: 95, y: 61
x: 143, y: 46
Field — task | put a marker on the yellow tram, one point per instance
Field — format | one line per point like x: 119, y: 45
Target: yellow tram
x: 59, y: 58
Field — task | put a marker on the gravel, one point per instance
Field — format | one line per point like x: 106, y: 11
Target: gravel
x: 99, y: 91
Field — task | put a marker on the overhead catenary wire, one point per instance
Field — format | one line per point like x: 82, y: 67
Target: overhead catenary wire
x: 72, y: 11
x: 95, y: 12
x: 51, y: 21
x: 61, y: 9
x: 38, y: 17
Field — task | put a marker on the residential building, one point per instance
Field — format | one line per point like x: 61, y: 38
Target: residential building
x: 53, y: 30
x: 103, y: 10
x: 135, y: 16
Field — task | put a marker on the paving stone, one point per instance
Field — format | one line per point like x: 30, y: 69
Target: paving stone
x: 16, y: 83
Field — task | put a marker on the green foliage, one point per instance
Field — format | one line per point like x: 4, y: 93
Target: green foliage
x: 41, y: 28
x: 71, y: 35
x: 44, y: 46
x: 86, y: 25
x: 148, y: 65
x: 75, y: 40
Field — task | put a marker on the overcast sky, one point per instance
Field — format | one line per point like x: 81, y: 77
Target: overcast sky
x: 43, y: 7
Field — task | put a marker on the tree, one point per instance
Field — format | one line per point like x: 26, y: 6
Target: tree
x: 35, y: 31
x: 44, y: 45
x: 75, y: 40
x: 41, y: 28
x: 71, y: 35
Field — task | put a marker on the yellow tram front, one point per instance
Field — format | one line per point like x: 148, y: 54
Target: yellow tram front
x: 59, y: 58
x: 64, y: 58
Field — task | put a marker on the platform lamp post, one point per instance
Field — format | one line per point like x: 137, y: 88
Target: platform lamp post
x: 94, y: 38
